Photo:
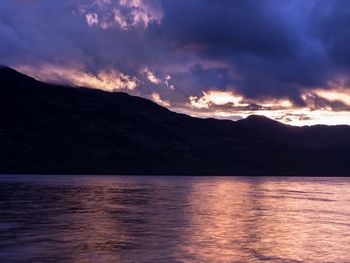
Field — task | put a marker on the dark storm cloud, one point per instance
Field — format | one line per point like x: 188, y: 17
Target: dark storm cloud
x: 226, y: 26
x: 260, y: 49
x: 333, y: 28
x: 198, y: 78
x: 267, y: 46
x: 261, y: 41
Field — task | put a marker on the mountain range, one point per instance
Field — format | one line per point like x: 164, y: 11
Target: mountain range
x: 53, y: 129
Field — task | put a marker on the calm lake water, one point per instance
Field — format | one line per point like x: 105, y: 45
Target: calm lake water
x: 174, y: 219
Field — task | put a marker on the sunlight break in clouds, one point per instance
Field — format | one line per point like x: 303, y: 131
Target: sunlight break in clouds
x: 215, y: 97
x: 229, y: 105
x: 335, y: 95
x: 297, y: 117
x: 111, y: 80
x: 232, y: 100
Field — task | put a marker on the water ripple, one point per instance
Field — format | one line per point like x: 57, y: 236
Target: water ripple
x: 173, y: 219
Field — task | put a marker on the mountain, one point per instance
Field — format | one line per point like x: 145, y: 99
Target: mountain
x: 46, y: 128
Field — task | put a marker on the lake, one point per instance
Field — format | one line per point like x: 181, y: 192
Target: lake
x: 173, y: 219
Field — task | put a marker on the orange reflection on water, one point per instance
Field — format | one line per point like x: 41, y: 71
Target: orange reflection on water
x: 215, y: 210
x: 252, y: 221
x: 175, y: 219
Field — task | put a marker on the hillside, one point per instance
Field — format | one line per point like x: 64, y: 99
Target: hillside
x: 49, y: 129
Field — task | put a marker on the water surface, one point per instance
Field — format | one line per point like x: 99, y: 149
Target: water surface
x: 174, y: 219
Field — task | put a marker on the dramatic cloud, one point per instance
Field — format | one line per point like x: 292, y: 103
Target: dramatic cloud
x: 157, y: 99
x: 110, y: 80
x: 151, y: 76
x: 213, y: 97
x: 124, y: 14
x: 288, y: 60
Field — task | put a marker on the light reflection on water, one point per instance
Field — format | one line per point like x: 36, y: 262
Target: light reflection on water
x: 174, y: 219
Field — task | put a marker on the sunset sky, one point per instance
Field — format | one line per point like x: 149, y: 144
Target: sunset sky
x: 287, y: 60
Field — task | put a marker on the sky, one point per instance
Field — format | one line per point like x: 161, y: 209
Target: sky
x: 288, y: 60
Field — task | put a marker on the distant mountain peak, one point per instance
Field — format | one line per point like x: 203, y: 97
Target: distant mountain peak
x: 258, y: 120
x: 255, y: 117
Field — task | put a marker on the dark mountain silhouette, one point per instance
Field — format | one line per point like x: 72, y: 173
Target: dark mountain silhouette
x: 47, y: 128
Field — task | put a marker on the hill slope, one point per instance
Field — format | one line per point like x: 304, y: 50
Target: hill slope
x: 54, y: 129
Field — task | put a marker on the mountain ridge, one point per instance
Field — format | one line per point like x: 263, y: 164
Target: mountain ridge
x: 48, y: 128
